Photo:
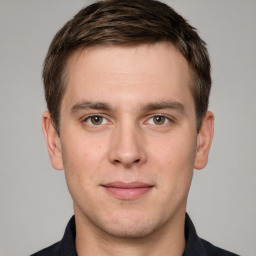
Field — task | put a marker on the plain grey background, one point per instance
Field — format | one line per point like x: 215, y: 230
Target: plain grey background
x: 35, y: 203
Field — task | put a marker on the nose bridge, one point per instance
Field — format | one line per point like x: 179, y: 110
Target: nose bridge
x: 127, y: 144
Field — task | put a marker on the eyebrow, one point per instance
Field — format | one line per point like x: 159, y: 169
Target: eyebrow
x: 90, y: 105
x: 83, y: 105
x: 175, y: 105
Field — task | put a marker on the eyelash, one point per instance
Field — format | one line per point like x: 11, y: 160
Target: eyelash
x: 166, y: 121
x: 89, y: 117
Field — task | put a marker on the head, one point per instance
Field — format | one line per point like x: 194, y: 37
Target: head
x: 127, y: 86
x: 126, y: 23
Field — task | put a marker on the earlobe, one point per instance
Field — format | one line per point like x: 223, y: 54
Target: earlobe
x: 204, y: 140
x: 52, y: 141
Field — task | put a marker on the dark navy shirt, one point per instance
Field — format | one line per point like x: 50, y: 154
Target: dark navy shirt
x: 195, y: 246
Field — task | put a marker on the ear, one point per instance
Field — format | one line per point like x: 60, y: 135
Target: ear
x: 204, y: 141
x: 52, y: 141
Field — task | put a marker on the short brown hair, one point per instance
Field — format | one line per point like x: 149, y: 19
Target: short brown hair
x: 126, y: 23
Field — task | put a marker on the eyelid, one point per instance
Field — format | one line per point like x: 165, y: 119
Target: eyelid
x: 88, y: 116
x: 168, y: 117
x: 171, y: 119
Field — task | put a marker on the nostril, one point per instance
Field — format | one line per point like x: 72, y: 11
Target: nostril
x: 126, y: 163
x: 117, y: 161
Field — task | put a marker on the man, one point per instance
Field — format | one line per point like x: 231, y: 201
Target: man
x: 127, y: 86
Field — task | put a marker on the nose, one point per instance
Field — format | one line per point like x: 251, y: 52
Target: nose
x: 127, y: 147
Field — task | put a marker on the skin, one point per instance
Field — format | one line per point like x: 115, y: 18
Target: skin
x: 144, y: 131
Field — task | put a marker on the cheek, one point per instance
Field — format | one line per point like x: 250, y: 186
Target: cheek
x: 174, y: 159
x: 82, y: 158
x: 176, y: 149
x: 80, y: 149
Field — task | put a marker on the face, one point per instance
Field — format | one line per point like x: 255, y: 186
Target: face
x: 128, y: 141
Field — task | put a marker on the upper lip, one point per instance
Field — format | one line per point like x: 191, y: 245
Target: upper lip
x: 127, y: 185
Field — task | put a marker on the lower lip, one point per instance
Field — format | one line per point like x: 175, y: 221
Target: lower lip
x: 127, y: 193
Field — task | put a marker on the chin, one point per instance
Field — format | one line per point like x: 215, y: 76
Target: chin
x: 126, y: 229
x: 132, y: 227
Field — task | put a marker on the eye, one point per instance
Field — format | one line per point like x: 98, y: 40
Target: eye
x: 96, y: 120
x: 158, y: 120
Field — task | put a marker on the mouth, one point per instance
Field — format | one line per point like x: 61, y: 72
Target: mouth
x: 127, y: 191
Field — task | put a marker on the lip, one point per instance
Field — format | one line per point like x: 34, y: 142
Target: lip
x: 127, y: 191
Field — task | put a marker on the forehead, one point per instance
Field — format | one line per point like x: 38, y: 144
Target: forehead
x: 152, y: 70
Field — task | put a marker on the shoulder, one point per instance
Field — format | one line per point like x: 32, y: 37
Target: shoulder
x: 52, y: 250
x: 197, y: 246
x: 215, y: 251
x: 66, y: 246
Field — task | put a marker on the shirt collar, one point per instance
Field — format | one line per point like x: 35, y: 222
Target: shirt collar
x: 67, y: 244
x: 194, y: 245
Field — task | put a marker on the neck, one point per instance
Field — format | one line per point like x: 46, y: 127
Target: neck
x: 167, y: 240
